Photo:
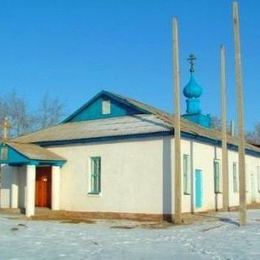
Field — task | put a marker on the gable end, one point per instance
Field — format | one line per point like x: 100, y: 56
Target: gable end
x: 103, y: 105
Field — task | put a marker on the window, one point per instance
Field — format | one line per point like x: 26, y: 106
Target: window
x: 217, y: 176
x: 186, y: 174
x: 258, y: 178
x: 247, y: 177
x: 106, y: 107
x: 235, y: 177
x: 3, y: 153
x: 95, y: 175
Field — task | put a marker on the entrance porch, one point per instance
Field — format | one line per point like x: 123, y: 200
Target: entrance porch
x: 32, y: 181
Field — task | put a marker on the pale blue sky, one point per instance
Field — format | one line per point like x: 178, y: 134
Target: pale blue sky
x: 75, y: 48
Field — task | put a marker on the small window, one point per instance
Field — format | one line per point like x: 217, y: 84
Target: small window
x: 4, y: 153
x: 217, y: 176
x: 258, y: 178
x: 235, y: 177
x: 186, y: 174
x: 95, y: 175
x: 106, y: 107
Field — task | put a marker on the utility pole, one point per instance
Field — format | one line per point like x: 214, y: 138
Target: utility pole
x: 224, y: 129
x: 177, y: 131
x: 240, y: 113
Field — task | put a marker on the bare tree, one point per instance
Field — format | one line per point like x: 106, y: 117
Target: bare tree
x: 16, y: 109
x: 23, y: 120
x: 254, y: 136
x: 216, y: 122
x: 50, y: 111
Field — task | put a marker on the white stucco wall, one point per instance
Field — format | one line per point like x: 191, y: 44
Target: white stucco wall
x: 13, y: 186
x: 131, y: 176
x: 135, y: 177
x: 202, y: 159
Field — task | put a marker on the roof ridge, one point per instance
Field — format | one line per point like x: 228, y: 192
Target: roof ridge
x: 137, y: 102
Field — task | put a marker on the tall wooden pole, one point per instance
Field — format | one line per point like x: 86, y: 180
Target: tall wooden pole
x: 177, y: 131
x: 240, y: 113
x: 224, y: 129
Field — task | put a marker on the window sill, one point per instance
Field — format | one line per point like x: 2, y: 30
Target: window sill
x: 94, y: 194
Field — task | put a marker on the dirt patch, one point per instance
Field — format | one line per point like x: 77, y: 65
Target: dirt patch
x: 77, y: 221
x: 159, y: 225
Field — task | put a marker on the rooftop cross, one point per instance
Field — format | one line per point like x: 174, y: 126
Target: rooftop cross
x: 191, y: 60
x: 5, y: 126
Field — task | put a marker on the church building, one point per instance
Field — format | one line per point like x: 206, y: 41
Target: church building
x: 115, y: 156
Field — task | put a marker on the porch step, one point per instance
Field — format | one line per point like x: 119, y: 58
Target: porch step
x: 42, y: 211
x: 10, y: 211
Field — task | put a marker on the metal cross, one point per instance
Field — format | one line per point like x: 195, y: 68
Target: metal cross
x: 191, y: 60
x: 5, y: 126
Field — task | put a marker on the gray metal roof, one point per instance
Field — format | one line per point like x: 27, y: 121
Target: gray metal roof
x: 117, y: 126
x: 35, y: 152
x: 122, y: 126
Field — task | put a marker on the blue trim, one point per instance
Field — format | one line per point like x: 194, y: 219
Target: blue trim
x: 200, y: 119
x: 17, y: 158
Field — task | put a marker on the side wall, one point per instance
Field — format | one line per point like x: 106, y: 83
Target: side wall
x: 132, y: 176
x: 202, y: 158
x: 136, y: 176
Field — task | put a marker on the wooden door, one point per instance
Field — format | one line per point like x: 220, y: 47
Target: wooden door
x: 43, y: 187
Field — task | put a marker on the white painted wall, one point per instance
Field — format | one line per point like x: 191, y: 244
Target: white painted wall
x: 135, y: 177
x: 12, y: 193
x: 5, y: 195
x: 131, y: 176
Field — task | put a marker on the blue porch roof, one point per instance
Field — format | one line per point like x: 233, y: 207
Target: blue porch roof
x: 28, y: 154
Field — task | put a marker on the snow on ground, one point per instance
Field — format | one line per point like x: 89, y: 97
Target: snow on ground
x: 208, y: 239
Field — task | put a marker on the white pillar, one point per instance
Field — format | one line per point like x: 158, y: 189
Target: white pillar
x: 14, y: 188
x: 30, y: 190
x: 55, y: 187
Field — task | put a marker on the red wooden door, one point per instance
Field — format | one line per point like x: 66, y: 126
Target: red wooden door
x: 43, y: 187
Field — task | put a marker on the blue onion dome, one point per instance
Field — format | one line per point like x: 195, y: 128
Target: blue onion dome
x: 192, y: 89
